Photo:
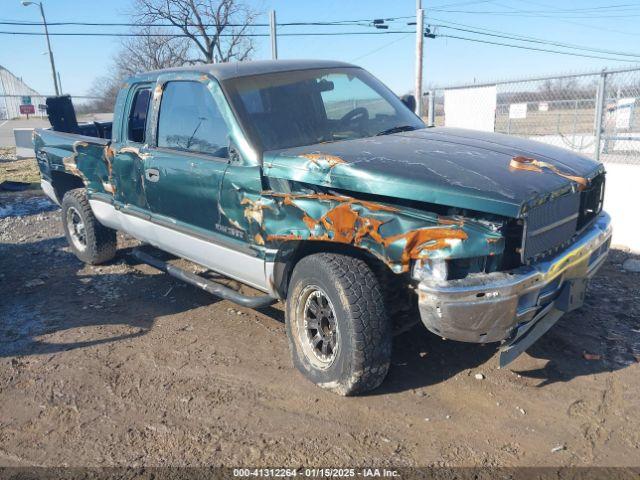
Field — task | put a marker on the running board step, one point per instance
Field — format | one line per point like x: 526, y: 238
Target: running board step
x: 207, y: 285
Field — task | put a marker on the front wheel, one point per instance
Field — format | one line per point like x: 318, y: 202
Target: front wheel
x: 337, y: 325
x: 89, y: 240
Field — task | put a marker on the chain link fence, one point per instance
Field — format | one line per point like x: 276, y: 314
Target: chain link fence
x: 12, y: 91
x: 10, y: 105
x: 596, y: 114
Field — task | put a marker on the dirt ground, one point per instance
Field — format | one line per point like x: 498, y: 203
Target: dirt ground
x: 121, y: 365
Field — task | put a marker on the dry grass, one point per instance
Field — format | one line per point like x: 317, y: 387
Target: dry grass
x: 17, y: 170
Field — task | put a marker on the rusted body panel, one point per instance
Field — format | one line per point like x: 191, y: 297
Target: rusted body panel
x: 87, y: 158
x: 452, y: 167
x: 395, y: 235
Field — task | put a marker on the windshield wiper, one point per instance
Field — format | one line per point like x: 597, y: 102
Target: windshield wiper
x: 400, y: 128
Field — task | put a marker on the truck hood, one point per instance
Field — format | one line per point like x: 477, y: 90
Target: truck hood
x: 487, y: 172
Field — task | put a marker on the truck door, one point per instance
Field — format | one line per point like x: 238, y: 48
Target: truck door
x: 185, y: 166
x: 130, y: 149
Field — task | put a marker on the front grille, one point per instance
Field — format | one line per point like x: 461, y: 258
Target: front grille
x: 550, y: 225
x: 554, y: 224
x: 591, y: 200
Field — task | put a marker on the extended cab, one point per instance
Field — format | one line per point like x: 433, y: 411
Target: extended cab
x: 313, y: 183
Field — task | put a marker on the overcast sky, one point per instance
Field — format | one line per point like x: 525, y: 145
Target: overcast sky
x: 390, y: 57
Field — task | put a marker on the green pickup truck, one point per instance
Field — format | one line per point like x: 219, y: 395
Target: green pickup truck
x: 316, y: 185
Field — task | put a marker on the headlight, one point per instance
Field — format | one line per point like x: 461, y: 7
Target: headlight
x: 430, y: 269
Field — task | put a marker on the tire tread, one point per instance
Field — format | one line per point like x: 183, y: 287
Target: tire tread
x: 371, y: 328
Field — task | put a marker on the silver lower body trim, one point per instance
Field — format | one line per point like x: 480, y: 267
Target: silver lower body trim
x: 490, y: 307
x: 48, y: 190
x: 245, y: 268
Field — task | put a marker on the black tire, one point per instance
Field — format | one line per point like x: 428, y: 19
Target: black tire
x: 359, y: 328
x: 97, y: 243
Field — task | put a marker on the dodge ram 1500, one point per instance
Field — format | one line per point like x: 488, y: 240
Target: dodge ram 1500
x: 313, y: 183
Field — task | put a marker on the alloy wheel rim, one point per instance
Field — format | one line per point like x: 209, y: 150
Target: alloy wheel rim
x: 319, y: 332
x: 76, y: 228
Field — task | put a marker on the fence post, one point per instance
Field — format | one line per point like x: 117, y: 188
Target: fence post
x: 601, y: 98
x: 575, y: 123
x: 432, y: 108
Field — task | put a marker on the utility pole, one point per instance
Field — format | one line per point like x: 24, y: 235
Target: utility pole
x: 274, y: 40
x: 419, y: 50
x: 46, y: 31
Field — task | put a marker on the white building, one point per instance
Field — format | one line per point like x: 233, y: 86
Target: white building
x: 12, y: 89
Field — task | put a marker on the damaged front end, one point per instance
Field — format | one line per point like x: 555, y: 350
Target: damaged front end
x: 401, y: 237
x: 496, y: 239
x: 518, y: 305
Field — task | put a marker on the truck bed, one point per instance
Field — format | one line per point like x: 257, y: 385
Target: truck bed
x: 95, y: 129
x: 69, y: 157
x: 62, y: 116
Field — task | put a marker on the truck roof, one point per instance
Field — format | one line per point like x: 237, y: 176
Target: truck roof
x: 224, y: 71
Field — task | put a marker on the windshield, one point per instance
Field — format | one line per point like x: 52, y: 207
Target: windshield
x: 292, y: 109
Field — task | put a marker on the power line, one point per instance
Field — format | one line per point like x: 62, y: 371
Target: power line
x: 586, y: 12
x: 600, y: 27
x: 337, y: 23
x: 618, y: 7
x: 469, y: 29
x: 291, y: 34
x: 376, y: 50
x: 523, y: 47
x: 532, y: 15
x: 459, y: 4
x: 541, y: 41
x: 376, y: 32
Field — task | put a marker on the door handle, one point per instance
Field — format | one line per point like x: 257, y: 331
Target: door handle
x: 152, y: 174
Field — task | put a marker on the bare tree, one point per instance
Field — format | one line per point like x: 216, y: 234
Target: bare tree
x: 206, y: 31
x: 216, y: 28
x: 105, y: 89
x: 153, y: 51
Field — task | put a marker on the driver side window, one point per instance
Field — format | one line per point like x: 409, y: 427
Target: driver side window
x: 349, y: 94
x: 190, y: 120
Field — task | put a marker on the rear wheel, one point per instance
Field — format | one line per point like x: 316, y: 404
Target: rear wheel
x: 89, y: 240
x: 337, y: 326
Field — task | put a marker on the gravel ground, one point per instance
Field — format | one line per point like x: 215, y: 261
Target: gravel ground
x: 120, y: 365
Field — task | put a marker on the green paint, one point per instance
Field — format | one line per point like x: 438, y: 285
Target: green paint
x: 230, y: 200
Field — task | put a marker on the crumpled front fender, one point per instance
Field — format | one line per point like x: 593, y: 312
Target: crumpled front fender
x: 396, y: 235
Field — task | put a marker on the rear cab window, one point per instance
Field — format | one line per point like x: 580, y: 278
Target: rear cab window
x: 189, y: 120
x: 138, y: 113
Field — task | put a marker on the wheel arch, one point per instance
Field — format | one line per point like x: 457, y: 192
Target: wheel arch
x: 63, y: 182
x: 291, y: 252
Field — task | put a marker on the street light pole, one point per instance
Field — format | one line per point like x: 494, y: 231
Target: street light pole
x: 46, y: 31
x: 419, y: 55
x: 274, y: 38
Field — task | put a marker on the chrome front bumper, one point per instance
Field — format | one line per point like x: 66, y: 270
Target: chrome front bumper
x: 505, y: 305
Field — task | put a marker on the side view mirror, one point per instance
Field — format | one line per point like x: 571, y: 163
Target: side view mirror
x: 325, y: 86
x: 409, y: 101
